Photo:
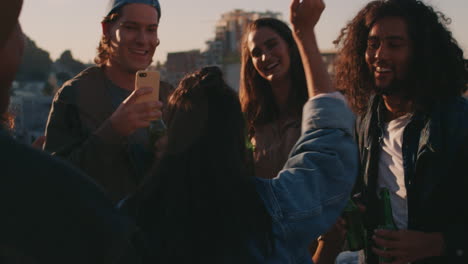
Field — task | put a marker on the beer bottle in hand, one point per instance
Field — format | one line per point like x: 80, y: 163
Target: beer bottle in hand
x: 355, y: 234
x: 387, y: 217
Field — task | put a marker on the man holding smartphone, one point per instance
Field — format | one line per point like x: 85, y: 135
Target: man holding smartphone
x: 96, y: 120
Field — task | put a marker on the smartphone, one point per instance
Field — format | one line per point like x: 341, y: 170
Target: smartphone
x: 148, y: 79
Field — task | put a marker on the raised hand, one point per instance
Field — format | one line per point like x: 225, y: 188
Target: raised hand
x: 130, y: 115
x: 305, y: 14
x: 304, y: 17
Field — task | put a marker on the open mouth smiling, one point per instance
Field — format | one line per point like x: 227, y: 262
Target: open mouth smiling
x: 271, y: 66
x: 382, y: 70
x: 139, y: 52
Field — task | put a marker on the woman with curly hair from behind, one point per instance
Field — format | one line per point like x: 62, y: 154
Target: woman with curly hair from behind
x: 202, y: 204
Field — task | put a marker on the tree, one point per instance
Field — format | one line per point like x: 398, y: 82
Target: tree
x: 66, y: 63
x: 36, y: 63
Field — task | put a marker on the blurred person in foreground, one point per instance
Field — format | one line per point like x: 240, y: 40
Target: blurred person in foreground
x: 95, y: 121
x: 203, y: 205
x: 50, y: 212
x: 272, y: 94
x: 404, y: 75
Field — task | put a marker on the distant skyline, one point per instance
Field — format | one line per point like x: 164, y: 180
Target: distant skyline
x: 59, y: 25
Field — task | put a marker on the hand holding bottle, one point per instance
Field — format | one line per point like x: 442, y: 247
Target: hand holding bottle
x: 403, y: 246
x: 355, y: 232
x: 387, y: 222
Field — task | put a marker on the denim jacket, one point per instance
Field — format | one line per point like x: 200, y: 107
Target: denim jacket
x: 308, y: 195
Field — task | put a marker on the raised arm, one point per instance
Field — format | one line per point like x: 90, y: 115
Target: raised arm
x: 308, y: 195
x: 304, y: 18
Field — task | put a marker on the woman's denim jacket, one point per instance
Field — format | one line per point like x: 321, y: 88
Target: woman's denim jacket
x: 308, y: 195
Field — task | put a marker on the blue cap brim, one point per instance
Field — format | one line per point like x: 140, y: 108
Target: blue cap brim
x: 116, y: 4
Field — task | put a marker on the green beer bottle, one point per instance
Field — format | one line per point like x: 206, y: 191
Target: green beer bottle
x: 355, y: 234
x: 156, y: 130
x: 387, y: 221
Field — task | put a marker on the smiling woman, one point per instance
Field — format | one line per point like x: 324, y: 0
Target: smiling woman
x: 270, y: 54
x: 272, y: 93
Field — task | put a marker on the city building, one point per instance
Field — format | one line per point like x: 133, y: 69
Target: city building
x: 328, y: 57
x: 178, y: 64
x: 230, y: 27
x: 30, y: 117
x: 223, y: 50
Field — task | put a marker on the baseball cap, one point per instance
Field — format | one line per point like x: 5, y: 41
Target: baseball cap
x: 114, y: 4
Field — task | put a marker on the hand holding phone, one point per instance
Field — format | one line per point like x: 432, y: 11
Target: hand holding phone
x: 141, y: 107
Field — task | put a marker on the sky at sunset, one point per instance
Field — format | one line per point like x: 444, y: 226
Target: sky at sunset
x: 58, y: 25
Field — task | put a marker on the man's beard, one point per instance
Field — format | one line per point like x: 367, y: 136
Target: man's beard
x: 396, y: 87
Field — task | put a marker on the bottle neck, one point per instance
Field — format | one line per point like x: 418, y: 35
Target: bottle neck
x: 387, y: 206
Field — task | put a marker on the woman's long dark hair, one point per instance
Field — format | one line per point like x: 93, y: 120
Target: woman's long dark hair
x: 437, y: 72
x: 256, y: 95
x: 201, y: 205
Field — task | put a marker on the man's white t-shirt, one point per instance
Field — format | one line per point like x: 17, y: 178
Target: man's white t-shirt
x: 391, y: 172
